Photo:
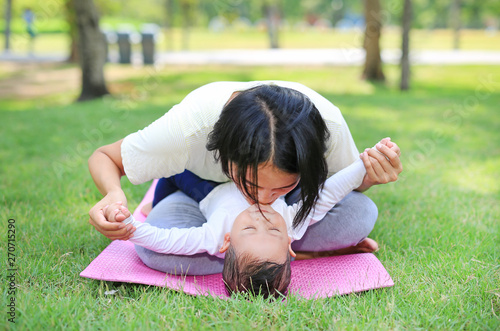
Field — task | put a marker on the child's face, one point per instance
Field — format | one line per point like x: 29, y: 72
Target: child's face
x: 265, y: 239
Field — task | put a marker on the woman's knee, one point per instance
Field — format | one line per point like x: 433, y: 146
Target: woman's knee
x: 180, y: 211
x: 193, y: 265
x: 177, y: 210
x: 363, y: 210
x: 349, y: 222
x: 161, y: 262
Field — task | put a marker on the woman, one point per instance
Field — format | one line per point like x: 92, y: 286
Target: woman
x: 267, y: 137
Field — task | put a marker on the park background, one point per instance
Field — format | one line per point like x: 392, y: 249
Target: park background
x: 438, y: 227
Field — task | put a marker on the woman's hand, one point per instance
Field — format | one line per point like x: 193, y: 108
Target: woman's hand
x: 106, y: 168
x: 112, y: 230
x: 382, y: 166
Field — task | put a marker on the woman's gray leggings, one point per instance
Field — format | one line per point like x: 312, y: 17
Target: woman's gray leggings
x: 349, y: 222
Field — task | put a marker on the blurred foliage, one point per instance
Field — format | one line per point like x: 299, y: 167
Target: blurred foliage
x: 429, y: 14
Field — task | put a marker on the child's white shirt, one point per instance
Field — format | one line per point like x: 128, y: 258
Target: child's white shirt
x: 221, y: 207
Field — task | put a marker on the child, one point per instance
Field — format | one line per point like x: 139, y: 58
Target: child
x: 256, y: 244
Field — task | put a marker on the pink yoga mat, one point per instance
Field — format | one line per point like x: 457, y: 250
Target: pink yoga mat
x: 316, y: 278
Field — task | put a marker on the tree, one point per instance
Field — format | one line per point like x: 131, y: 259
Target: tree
x: 169, y: 24
x: 373, y: 61
x: 187, y: 11
x: 405, y: 48
x: 455, y: 13
x: 73, y: 30
x: 8, y: 16
x: 272, y: 13
x: 92, y: 50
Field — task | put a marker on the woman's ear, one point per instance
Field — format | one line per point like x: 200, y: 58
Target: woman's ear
x: 225, y: 245
x: 292, y: 253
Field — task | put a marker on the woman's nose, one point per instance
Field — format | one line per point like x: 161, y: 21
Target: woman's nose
x: 266, y: 196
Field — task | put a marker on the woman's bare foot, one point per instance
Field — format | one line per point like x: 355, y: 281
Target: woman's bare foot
x: 365, y: 246
x: 146, y: 209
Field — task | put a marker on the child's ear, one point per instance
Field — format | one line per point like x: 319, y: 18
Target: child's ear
x: 225, y: 245
x: 292, y: 253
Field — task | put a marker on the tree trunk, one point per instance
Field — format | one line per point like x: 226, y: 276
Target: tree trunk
x: 405, y: 47
x: 373, y: 61
x: 169, y: 24
x: 73, y: 31
x: 92, y: 50
x: 186, y: 22
x: 272, y: 14
x: 73, y: 49
x: 475, y: 20
x: 8, y: 16
x: 455, y: 12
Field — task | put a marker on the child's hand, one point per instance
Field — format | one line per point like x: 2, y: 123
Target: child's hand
x: 116, y: 212
x: 392, y: 146
x: 382, y: 164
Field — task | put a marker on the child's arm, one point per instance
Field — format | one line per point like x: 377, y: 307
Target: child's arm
x: 335, y: 189
x: 183, y: 241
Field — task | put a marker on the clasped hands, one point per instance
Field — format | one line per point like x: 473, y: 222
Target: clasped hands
x: 110, y: 227
x: 383, y: 164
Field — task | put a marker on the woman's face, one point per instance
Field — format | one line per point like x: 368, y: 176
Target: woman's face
x: 272, y: 184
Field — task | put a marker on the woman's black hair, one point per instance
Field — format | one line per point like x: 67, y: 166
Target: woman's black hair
x: 272, y: 124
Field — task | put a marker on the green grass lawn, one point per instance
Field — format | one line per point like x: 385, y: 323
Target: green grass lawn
x: 438, y: 227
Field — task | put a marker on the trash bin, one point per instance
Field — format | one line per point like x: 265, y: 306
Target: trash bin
x: 149, y: 34
x: 124, y: 46
x: 126, y: 36
x: 148, y: 48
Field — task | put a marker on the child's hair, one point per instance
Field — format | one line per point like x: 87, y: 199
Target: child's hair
x: 273, y: 124
x: 244, y: 273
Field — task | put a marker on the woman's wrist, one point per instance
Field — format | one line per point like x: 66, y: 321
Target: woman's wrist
x: 117, y: 195
x: 365, y: 185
